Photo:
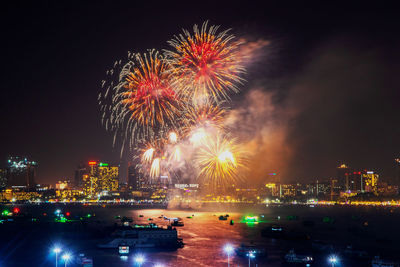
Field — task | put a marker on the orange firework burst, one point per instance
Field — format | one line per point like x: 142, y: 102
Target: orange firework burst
x: 204, y: 116
x: 206, y: 64
x: 143, y: 103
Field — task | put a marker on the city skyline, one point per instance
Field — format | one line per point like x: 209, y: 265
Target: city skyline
x: 321, y: 116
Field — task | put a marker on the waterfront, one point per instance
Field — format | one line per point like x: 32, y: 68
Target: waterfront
x: 366, y: 228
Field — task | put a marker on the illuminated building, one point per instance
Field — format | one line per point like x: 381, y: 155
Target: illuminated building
x: 62, y: 185
x: 370, y: 182
x: 108, y: 177
x: 100, y: 178
x: 21, y: 172
x: 68, y: 194
x: 136, y: 180
x: 18, y: 194
x: 343, y: 177
x: 90, y: 185
x: 318, y: 189
x: 272, y: 190
x: 355, y: 183
x: 287, y: 190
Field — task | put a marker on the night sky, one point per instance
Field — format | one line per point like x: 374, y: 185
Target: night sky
x: 331, y: 74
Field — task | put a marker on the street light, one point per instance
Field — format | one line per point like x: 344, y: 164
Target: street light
x: 333, y: 260
x: 66, y: 257
x: 251, y: 255
x: 139, y: 259
x: 228, y: 250
x: 56, y: 250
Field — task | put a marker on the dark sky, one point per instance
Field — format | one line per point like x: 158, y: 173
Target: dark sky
x: 335, y: 67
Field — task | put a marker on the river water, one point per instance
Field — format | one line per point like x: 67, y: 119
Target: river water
x: 371, y: 229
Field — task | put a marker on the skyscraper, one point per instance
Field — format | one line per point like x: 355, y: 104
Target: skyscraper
x: 100, y: 178
x: 136, y: 179
x: 342, y: 177
x: 370, y: 182
x: 21, y: 172
x: 79, y: 173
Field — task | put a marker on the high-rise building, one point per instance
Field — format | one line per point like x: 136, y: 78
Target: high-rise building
x: 136, y: 180
x: 343, y: 177
x: 108, y: 177
x: 370, y: 182
x: 21, y: 172
x: 79, y: 173
x: 100, y: 178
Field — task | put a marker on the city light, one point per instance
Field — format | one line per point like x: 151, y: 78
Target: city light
x: 56, y: 250
x: 333, y: 260
x: 139, y: 260
x: 228, y: 250
x: 91, y: 163
x: 66, y: 257
x: 251, y: 255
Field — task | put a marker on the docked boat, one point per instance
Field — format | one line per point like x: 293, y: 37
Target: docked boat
x: 292, y: 257
x: 245, y: 250
x: 144, y: 236
x: 378, y: 262
x: 177, y: 223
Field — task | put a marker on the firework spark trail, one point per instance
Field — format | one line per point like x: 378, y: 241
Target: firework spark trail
x: 155, y: 168
x: 143, y: 103
x: 219, y: 161
x: 206, y: 64
x: 172, y: 108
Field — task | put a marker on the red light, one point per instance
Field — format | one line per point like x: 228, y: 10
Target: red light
x: 92, y: 162
x: 67, y: 213
x: 354, y: 172
x: 359, y: 172
x: 16, y: 210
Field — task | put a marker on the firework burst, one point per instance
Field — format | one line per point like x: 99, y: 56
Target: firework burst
x: 206, y: 64
x: 219, y: 161
x: 206, y: 116
x: 143, y: 103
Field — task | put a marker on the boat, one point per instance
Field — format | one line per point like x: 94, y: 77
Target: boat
x: 177, y: 223
x: 292, y: 257
x: 378, y: 262
x: 222, y: 218
x: 274, y: 231
x: 143, y: 236
x: 245, y: 250
x: 84, y: 261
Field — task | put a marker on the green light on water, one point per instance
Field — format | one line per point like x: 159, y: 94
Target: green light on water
x: 5, y: 212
